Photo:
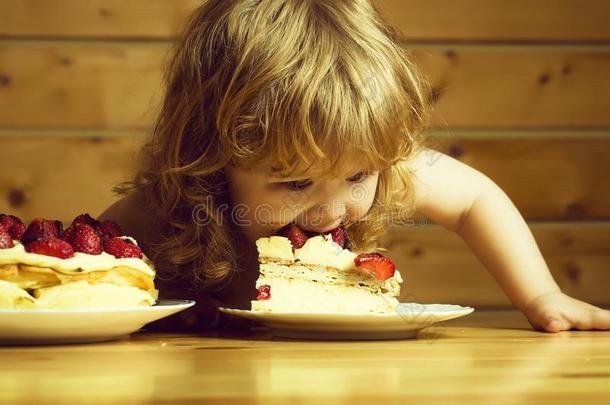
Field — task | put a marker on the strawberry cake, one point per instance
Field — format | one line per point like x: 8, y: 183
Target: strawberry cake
x: 317, y: 273
x: 90, y: 264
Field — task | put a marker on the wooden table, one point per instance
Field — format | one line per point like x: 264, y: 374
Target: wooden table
x: 486, y: 357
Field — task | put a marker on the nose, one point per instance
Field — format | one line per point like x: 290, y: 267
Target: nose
x: 328, y: 211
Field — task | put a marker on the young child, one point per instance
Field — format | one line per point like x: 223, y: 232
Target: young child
x: 309, y: 112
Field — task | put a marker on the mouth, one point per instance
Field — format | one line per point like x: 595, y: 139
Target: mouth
x: 325, y: 229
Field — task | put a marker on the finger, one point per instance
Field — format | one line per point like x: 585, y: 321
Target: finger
x: 593, y: 319
x: 555, y: 325
x: 601, y: 319
x: 549, y: 322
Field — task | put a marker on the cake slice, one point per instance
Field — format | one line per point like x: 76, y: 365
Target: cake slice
x: 319, y: 275
x: 91, y: 264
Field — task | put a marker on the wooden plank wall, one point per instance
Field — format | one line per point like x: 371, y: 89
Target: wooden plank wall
x: 521, y: 92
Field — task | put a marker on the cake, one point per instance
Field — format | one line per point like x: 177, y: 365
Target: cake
x: 318, y: 274
x: 90, y: 264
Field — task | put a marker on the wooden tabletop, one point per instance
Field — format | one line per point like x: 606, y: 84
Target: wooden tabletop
x: 486, y: 357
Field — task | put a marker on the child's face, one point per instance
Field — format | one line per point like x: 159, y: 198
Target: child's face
x: 263, y: 202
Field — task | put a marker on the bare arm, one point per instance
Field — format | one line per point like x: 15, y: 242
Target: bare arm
x: 466, y: 201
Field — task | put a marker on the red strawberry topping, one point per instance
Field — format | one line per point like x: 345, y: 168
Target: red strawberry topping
x: 338, y: 235
x: 381, y: 266
x: 87, y: 219
x: 83, y: 238
x: 13, y: 225
x: 109, y: 229
x: 295, y: 234
x: 264, y: 292
x: 68, y: 233
x: 121, y: 248
x: 41, y: 228
x: 6, y: 241
x: 50, y: 247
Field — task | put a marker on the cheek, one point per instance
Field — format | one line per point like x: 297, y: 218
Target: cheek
x: 263, y: 210
x: 361, y: 197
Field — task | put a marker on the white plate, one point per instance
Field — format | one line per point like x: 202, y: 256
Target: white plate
x: 51, y: 326
x: 408, y: 319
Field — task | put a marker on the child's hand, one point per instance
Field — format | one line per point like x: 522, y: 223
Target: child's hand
x: 556, y: 311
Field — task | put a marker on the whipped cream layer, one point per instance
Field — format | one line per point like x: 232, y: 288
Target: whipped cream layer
x: 304, y: 296
x: 80, y: 262
x: 320, y: 250
x: 320, y: 275
x: 13, y: 297
x: 81, y: 294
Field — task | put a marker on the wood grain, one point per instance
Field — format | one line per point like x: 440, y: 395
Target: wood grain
x: 432, y: 20
x: 118, y: 85
x: 547, y: 178
x: 78, y: 85
x: 60, y: 178
x: 438, y: 266
x: 470, y: 360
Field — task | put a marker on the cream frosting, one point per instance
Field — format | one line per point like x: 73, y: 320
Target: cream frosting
x: 276, y: 247
x: 304, y: 296
x: 81, y: 294
x: 80, y: 262
x: 13, y: 297
x: 319, y: 250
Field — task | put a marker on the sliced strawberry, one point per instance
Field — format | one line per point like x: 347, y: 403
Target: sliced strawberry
x: 83, y: 238
x: 381, y: 266
x: 41, y: 228
x: 264, y: 292
x: 338, y: 235
x: 13, y: 225
x: 121, y: 248
x: 295, y: 234
x: 6, y: 241
x: 109, y: 229
x: 50, y: 247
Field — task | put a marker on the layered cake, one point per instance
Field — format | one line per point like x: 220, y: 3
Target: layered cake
x: 301, y: 273
x: 90, y: 264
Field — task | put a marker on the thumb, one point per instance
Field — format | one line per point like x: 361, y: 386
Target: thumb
x: 555, y: 324
x: 548, y: 322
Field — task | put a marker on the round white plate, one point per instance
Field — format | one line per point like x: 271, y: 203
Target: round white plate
x: 408, y: 319
x: 52, y: 326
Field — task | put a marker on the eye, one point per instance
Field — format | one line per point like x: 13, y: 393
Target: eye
x: 297, y: 185
x: 358, y: 177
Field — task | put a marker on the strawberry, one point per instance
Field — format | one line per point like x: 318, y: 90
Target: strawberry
x: 109, y: 229
x: 87, y: 219
x: 50, y: 247
x: 6, y: 221
x: 121, y: 248
x: 295, y: 234
x: 338, y: 235
x: 83, y: 238
x: 13, y: 225
x: 6, y: 241
x: 264, y: 292
x: 381, y: 266
x: 68, y: 233
x: 41, y: 228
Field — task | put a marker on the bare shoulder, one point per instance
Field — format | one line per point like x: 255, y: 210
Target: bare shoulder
x: 134, y: 217
x: 444, y: 187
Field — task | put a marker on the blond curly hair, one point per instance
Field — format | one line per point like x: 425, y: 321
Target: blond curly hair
x: 277, y: 82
